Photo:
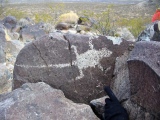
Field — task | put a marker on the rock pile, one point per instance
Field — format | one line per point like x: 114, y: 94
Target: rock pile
x: 79, y: 65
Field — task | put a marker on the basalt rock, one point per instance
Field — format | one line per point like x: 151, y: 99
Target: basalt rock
x: 79, y: 65
x: 32, y: 32
x: 144, y: 74
x: 39, y: 101
x: 9, y: 22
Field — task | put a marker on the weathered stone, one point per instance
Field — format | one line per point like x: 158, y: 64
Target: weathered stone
x: 12, y: 49
x: 125, y: 34
x: 32, y: 32
x: 2, y: 43
x: 14, y: 35
x: 121, y: 84
x: 38, y: 101
x: 23, y: 22
x: 136, y: 112
x: 63, y: 26
x: 149, y: 34
x: 97, y: 106
x: 78, y: 65
x: 9, y: 22
x: 144, y: 74
x: 5, y: 79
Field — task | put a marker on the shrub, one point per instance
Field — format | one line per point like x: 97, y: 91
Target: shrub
x: 43, y: 17
x: 70, y: 17
x: 103, y: 21
x: 16, y: 13
x: 135, y: 25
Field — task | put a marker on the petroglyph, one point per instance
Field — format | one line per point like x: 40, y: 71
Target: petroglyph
x: 115, y: 40
x: 90, y: 58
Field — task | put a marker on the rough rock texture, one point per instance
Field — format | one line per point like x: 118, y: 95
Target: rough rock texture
x: 137, y: 112
x: 2, y: 43
x: 78, y: 65
x: 38, y: 101
x: 9, y: 22
x: 149, y: 34
x: 97, y: 106
x: 144, y: 74
x: 32, y: 32
x: 12, y: 49
x: 5, y: 79
x: 63, y: 26
x: 121, y: 83
x: 125, y: 34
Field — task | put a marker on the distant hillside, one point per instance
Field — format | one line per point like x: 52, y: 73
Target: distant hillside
x: 43, y: 1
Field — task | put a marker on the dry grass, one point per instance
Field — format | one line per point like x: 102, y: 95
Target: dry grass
x: 70, y: 17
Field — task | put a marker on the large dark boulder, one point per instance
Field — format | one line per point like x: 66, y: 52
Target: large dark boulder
x: 144, y: 74
x: 78, y: 65
x: 39, y: 101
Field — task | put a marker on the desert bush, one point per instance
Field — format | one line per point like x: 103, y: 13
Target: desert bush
x: 104, y: 23
x: 70, y: 17
x: 3, y: 4
x: 56, y: 9
x: 43, y: 17
x: 16, y: 13
x: 135, y: 25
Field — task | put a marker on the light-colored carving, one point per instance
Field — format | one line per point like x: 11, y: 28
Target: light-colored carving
x: 90, y: 58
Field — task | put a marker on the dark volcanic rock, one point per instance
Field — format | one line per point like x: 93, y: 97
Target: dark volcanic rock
x: 149, y: 34
x: 121, y: 83
x: 38, y: 101
x: 144, y: 74
x: 78, y: 65
x: 63, y: 26
x: 32, y: 32
x: 9, y: 22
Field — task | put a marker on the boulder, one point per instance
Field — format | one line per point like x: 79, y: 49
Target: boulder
x: 149, y: 34
x: 32, y: 32
x: 144, y: 75
x: 121, y: 83
x: 125, y: 34
x: 9, y: 22
x: 23, y: 22
x: 79, y: 65
x: 63, y: 26
x: 137, y: 112
x: 12, y: 49
x: 39, y: 101
x: 97, y: 106
x: 5, y: 79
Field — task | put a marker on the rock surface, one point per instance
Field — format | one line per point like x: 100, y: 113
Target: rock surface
x: 12, y: 49
x: 38, y: 101
x: 121, y: 83
x: 9, y: 22
x: 32, y: 32
x: 5, y: 79
x: 78, y: 65
x: 2, y: 43
x: 144, y: 74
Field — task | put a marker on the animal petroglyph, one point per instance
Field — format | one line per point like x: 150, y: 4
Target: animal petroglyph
x: 90, y: 58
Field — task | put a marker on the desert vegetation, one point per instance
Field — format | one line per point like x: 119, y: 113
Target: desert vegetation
x: 106, y: 17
